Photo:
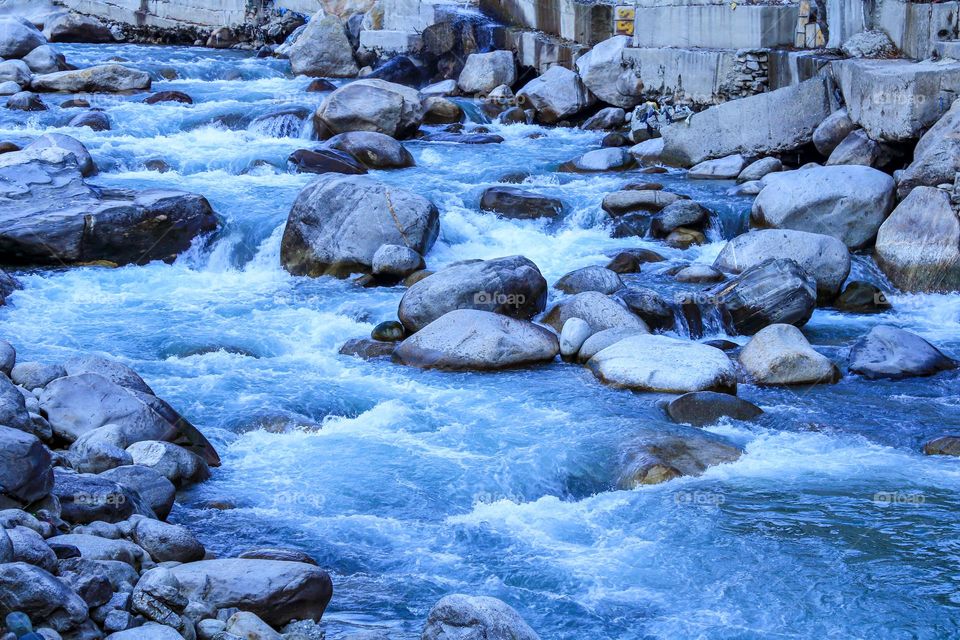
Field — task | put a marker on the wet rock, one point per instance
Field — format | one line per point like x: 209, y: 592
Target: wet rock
x: 824, y: 257
x: 513, y: 115
x: 96, y: 120
x: 468, y: 339
x: 608, y: 159
x: 168, y: 96
x: 275, y: 591
x: 772, y: 292
x: 606, y: 119
x: 437, y: 110
x: 780, y: 355
x: 759, y: 169
x: 512, y: 286
x: 606, y: 76
x: 556, y: 95
x: 943, y: 446
x: 323, y: 49
x: 726, y: 168
x: 684, y: 238
x: 104, y: 78
x: 514, y: 203
x: 26, y: 101
x: 658, y: 459
x: 399, y: 69
x: 463, y: 138
x: 367, y: 349
x: 100, y: 450
x: 45, y: 59
x: 73, y: 27
x: 176, y: 464
x: 389, y: 331
x: 26, y: 472
x: 374, y: 150
x: 889, y: 352
x: 55, y: 148
x: 396, y: 261
x: 862, y: 297
x: 614, y: 140
x: 10, y: 88
x: 698, y: 273
x: 286, y: 555
x: 918, y: 246
x: 112, y: 370
x: 483, y: 72
x: 702, y: 408
x: 630, y: 261
x: 47, y: 600
x: 319, y: 85
x: 598, y: 310
x: 464, y: 617
x: 629, y: 200
x: 679, y: 214
x: 155, y: 489
x: 650, y: 306
x: 659, y: 363
x: 325, y: 161
x: 832, y: 131
x: 589, y: 279
x: 18, y: 37
x: 86, y: 497
x: 165, y: 542
x: 846, y: 202
x: 338, y: 222
x: 372, y: 105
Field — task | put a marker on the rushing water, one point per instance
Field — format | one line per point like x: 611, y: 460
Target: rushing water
x: 408, y: 485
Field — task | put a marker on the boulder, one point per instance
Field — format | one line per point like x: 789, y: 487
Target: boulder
x: 47, y: 600
x: 441, y: 89
x: 592, y: 278
x: 372, y: 105
x: 13, y: 407
x: 96, y: 120
x: 167, y: 542
x: 25, y: 101
x: 100, y: 450
x: 85, y: 497
x: 518, y: 204
x: 55, y: 147
x: 511, y: 286
x: 605, y: 120
x: 464, y: 617
x: 273, y: 553
x: 889, y: 352
x: 702, y: 408
x: 726, y: 168
x: 776, y: 291
x: 437, y: 110
x: 869, y: 44
x: 94, y: 547
x: 463, y: 138
x: 244, y: 624
x: 35, y: 375
x: 276, y: 591
x: 11, y: 88
x: 29, y: 547
x: 630, y: 261
x: 832, y: 131
x: 168, y: 96
x: 15, y: 71
x: 918, y: 246
x: 606, y: 159
x: 936, y: 158
x: 679, y: 214
x: 325, y: 161
x: 49, y: 215
x: 395, y: 261
x: 104, y: 78
x: 338, y: 222
x: 574, y: 333
x: 607, y: 76
x: 662, y: 364
x: 629, y: 200
x: 114, y: 371
x: 367, y: 349
x: 26, y: 469
x: 846, y: 202
x: 156, y: 490
x: 698, y: 273
x: 322, y: 49
x: 858, y: 149
x: 8, y: 359
x: 600, y: 340
x: 662, y: 457
x: 758, y: 169
x: 649, y: 305
x: 764, y: 124
x: 823, y: 257
x: 780, y: 355
x: 556, y: 95
x: 468, y: 339
x: 176, y: 464
x: 598, y: 310
x: 943, y: 446
x: 483, y: 72
x: 18, y: 37
x: 73, y: 27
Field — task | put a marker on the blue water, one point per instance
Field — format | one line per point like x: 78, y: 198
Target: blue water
x: 408, y: 485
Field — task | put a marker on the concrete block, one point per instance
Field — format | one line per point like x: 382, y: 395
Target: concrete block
x: 698, y: 76
x: 916, y: 28
x: 581, y: 22
x: 164, y: 13
x: 716, y: 26
x: 391, y: 42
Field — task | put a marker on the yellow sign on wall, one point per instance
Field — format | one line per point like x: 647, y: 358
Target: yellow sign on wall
x: 623, y: 18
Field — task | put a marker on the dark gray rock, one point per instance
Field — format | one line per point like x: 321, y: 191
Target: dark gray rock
x: 772, y: 292
x: 155, y: 489
x: 26, y: 471
x: 374, y: 150
x: 589, y: 279
x: 87, y: 498
x: 13, y: 407
x: 29, y: 547
x: 511, y: 202
x: 682, y: 213
x: 701, y: 408
x: 47, y: 600
x: 889, y: 352
x: 325, y: 161
x: 165, y: 542
x: 650, y: 306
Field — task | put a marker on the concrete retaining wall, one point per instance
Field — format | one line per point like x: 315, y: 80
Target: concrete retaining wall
x: 164, y: 13
x: 716, y: 26
x: 579, y: 22
x: 916, y: 28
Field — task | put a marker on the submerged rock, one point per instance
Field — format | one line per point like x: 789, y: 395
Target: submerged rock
x: 701, y: 408
x: 463, y: 617
x: 338, y: 222
x: 511, y: 202
x: 374, y: 150
x: 943, y: 446
x: 889, y: 352
x: 468, y: 339
x: 367, y: 349
x: 780, y: 355
x: 657, y: 459
x: 325, y: 161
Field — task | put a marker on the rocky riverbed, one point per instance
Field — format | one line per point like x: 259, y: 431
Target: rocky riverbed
x: 449, y: 351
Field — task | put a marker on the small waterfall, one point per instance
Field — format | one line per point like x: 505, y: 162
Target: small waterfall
x: 287, y: 123
x: 696, y: 315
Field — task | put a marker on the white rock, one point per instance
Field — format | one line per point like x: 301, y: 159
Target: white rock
x: 575, y: 332
x: 780, y: 355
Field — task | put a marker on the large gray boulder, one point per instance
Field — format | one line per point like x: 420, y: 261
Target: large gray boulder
x: 323, y: 50
x: 518, y: 204
x: 45, y: 59
x: 28, y: 546
x: 821, y: 256
x: 936, y: 158
x: 764, y: 124
x: 597, y: 310
x: 74, y: 27
x: 663, y: 364
x: 104, y: 78
x: 112, y: 370
x: 771, y: 292
x: 47, y: 600
x: 464, y: 617
x: 607, y: 76
x: 512, y: 286
x: 26, y: 470
x: 94, y: 547
x: 484, y: 72
x: 846, y: 202
x: 469, y: 339
x: 889, y: 352
x: 918, y: 246
x: 701, y: 408
x: 858, y: 149
x: 166, y: 542
x: 556, y: 95
x: 372, y: 105
x: 50, y: 216
x: 176, y: 464
x: 338, y: 222
x: 16, y: 71
x: 148, y: 631
x: 274, y: 590
x: 18, y: 37
x: 780, y: 355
